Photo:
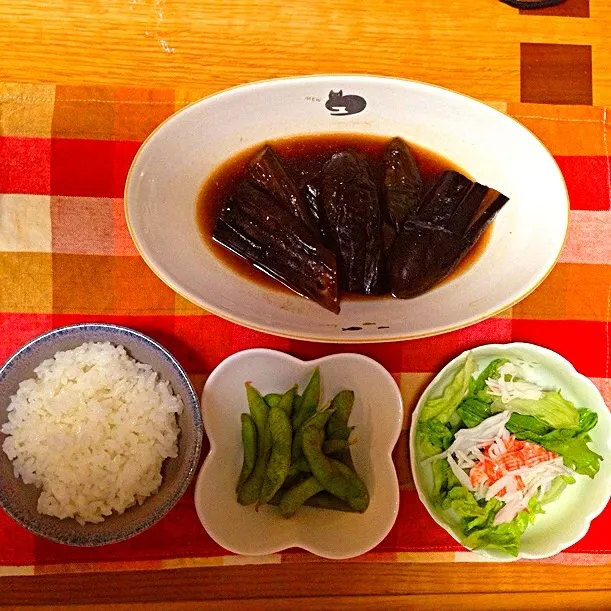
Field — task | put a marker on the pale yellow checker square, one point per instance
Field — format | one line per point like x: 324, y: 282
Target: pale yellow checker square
x: 26, y: 282
x: 25, y: 223
x: 184, y: 96
x: 26, y: 110
x: 183, y: 307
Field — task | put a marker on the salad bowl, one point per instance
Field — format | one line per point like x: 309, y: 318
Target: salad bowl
x: 565, y: 519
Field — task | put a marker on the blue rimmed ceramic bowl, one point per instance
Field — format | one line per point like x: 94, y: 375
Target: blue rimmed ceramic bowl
x: 20, y: 500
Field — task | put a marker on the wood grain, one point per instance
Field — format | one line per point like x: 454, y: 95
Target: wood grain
x: 544, y: 601
x: 326, y: 582
x: 471, y: 47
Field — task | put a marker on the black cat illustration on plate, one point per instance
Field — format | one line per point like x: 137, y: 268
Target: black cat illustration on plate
x: 340, y: 104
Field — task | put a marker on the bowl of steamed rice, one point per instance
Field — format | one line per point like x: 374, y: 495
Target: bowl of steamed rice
x: 100, y: 434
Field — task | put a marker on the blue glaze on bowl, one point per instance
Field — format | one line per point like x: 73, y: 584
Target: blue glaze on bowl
x: 19, y: 500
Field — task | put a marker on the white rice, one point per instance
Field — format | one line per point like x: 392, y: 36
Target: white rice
x: 92, y: 430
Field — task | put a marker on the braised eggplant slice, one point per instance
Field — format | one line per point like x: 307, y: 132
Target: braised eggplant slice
x: 351, y: 207
x: 402, y: 185
x: 443, y: 197
x: 267, y: 172
x: 311, y: 193
x: 450, y: 219
x: 255, y: 227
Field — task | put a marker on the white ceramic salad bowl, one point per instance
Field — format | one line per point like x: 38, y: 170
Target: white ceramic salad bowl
x: 377, y: 415
x: 566, y: 519
x: 169, y: 170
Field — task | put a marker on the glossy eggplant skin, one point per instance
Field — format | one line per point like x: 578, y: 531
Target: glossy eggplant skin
x: 450, y: 219
x: 266, y: 171
x: 350, y: 203
x: 254, y: 226
x: 402, y: 183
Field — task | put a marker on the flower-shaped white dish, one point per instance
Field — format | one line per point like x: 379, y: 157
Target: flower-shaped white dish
x: 377, y: 415
x: 567, y: 519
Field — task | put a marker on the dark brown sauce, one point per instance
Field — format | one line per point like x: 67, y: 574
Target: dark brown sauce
x: 304, y: 156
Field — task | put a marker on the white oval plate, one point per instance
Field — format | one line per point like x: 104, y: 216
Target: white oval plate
x: 377, y: 415
x: 167, y: 174
x: 567, y: 519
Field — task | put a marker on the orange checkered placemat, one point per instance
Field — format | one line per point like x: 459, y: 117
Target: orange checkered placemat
x: 66, y: 257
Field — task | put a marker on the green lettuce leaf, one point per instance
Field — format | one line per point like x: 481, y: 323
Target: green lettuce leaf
x: 475, y: 514
x: 473, y: 411
x: 443, y: 481
x: 587, y: 421
x: 504, y: 537
x: 442, y: 408
x: 571, y: 443
x: 552, y: 408
x: 433, y: 437
x: 557, y: 488
x: 527, y: 425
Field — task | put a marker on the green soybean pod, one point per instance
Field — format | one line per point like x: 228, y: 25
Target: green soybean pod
x: 334, y: 476
x: 335, y: 446
x: 301, y: 465
x: 325, y: 500
x: 259, y: 410
x: 286, y: 401
x: 296, y: 496
x: 249, y: 443
x: 298, y: 440
x: 280, y: 457
x: 359, y: 498
x: 309, y: 402
x: 272, y: 399
x: 297, y: 401
x: 337, y: 427
x: 251, y: 488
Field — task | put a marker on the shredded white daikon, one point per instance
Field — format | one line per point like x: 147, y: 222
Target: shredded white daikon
x: 512, y: 388
x: 517, y: 486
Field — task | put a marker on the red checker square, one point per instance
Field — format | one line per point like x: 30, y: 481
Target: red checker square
x: 25, y: 165
x: 583, y: 343
x: 204, y: 341
x: 90, y: 168
x: 16, y: 329
x: 159, y: 328
x: 586, y: 181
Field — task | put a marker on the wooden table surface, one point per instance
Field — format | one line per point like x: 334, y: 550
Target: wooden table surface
x: 479, y: 47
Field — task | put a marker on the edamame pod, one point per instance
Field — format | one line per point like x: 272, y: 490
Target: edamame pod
x: 287, y: 400
x: 251, y: 488
x: 249, y: 443
x: 259, y: 410
x: 280, y: 458
x: 272, y: 399
x: 326, y: 500
x: 359, y: 501
x: 334, y: 446
x: 309, y: 402
x: 337, y: 427
x: 294, y: 498
x: 301, y: 465
x: 342, y: 482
